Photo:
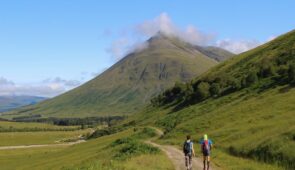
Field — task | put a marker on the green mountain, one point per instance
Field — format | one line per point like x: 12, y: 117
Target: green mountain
x: 12, y: 102
x: 130, y: 83
x: 245, y: 105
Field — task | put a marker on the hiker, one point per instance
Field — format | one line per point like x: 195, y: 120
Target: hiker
x: 188, y: 150
x: 206, y: 146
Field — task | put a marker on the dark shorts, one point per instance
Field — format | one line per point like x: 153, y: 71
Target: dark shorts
x: 206, y: 153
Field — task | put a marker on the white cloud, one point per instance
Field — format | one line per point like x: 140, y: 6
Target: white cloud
x: 118, y: 48
x: 237, y: 46
x: 58, y: 80
x: 46, y: 88
x: 161, y: 23
x: 133, y: 38
x: 32, y: 90
x: 164, y: 24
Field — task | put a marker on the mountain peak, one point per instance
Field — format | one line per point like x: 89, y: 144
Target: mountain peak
x: 133, y: 81
x: 158, y: 36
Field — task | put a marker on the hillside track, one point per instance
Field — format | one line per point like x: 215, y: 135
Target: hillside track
x: 176, y: 155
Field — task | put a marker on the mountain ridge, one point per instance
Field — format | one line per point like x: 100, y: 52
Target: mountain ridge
x: 8, y: 103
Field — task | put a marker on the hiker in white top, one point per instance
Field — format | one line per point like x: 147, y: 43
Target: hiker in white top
x: 188, y: 150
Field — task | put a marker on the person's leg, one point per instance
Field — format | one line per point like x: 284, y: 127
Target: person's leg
x: 204, y: 162
x: 190, y: 163
x: 186, y: 162
x: 208, y: 162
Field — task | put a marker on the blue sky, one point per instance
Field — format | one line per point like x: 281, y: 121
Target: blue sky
x: 48, y: 47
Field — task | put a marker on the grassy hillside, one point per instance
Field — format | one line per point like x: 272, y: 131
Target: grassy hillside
x: 105, y: 153
x: 245, y: 105
x: 12, y: 102
x: 241, y: 125
x: 129, y: 84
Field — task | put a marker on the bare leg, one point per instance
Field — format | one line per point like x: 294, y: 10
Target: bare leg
x: 186, y: 162
x: 190, y: 163
x: 204, y: 163
x: 208, y: 162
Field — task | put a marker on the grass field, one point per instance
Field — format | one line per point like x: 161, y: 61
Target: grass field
x: 17, y: 133
x: 34, y: 138
x: 100, y: 153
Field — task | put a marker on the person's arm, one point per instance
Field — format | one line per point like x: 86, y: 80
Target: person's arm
x: 211, y: 144
x: 193, y: 150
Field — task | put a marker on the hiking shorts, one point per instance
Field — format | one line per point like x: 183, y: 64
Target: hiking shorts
x: 206, y: 153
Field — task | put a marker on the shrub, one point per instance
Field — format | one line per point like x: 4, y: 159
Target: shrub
x: 104, y: 132
x: 251, y: 78
x: 146, y: 133
x: 130, y: 147
x: 291, y: 74
x: 203, y: 91
x: 215, y: 89
x: 266, y: 68
x: 266, y: 71
x: 236, y: 84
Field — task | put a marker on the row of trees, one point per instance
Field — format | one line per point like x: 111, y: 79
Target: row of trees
x: 224, y: 84
x: 89, y: 121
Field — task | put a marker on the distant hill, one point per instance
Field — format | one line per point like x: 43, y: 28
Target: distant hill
x: 130, y: 83
x: 216, y: 53
x: 12, y: 102
x: 245, y: 104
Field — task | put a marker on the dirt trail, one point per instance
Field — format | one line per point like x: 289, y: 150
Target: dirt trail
x: 39, y: 146
x: 176, y: 155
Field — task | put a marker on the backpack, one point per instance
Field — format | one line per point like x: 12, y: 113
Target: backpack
x: 206, y: 146
x: 187, y: 147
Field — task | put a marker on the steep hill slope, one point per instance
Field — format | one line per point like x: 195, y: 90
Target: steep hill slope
x: 130, y: 83
x: 12, y: 102
x: 245, y: 104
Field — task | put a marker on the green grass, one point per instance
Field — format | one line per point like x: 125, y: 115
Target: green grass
x: 18, y: 133
x: 95, y: 154
x: 256, y: 126
x: 225, y: 161
x: 36, y: 138
x: 21, y: 126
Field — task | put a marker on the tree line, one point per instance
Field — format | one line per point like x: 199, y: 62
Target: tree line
x: 267, y: 73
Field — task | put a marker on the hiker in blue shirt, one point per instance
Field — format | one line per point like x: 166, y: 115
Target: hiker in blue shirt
x: 206, y: 146
x: 189, y: 152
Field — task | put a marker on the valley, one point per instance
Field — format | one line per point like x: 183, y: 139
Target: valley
x: 245, y: 104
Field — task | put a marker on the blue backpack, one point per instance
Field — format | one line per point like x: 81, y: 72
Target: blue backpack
x: 187, y: 147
